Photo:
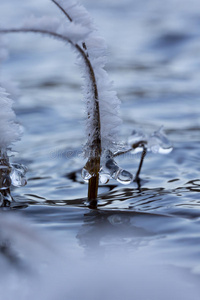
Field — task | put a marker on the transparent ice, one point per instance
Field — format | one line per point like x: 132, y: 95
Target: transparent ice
x: 17, y: 175
x: 124, y: 177
x: 85, y: 174
x: 110, y: 169
x: 103, y: 177
x: 156, y: 142
x: 159, y: 143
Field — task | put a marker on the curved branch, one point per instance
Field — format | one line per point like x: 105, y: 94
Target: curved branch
x: 62, y: 9
x: 97, y: 141
x: 95, y: 147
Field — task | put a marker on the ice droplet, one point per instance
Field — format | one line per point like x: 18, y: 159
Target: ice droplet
x: 17, y: 175
x: 85, y: 174
x: 124, y: 177
x: 112, y: 167
x: 104, y: 178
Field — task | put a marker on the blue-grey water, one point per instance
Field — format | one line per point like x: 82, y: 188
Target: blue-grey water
x: 154, y: 61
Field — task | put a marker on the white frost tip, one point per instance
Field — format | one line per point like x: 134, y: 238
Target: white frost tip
x: 10, y: 131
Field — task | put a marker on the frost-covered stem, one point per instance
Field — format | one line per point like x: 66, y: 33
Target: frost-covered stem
x: 93, y: 162
x: 95, y: 147
x: 48, y: 32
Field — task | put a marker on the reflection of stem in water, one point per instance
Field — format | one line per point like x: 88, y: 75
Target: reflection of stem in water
x: 100, y: 227
x: 8, y: 253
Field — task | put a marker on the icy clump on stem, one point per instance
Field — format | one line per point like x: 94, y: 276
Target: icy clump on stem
x: 109, y: 170
x: 157, y: 142
x: 10, y: 132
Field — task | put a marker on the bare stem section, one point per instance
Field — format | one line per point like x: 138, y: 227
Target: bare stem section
x: 93, y: 181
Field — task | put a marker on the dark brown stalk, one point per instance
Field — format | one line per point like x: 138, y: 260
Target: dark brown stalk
x: 95, y: 147
x: 144, y: 152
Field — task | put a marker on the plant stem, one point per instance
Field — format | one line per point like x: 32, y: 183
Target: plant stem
x: 62, y: 9
x: 93, y: 163
x: 144, y: 152
x: 94, y: 182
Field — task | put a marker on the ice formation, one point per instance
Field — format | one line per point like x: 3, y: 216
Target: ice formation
x: 10, y: 130
x: 157, y: 142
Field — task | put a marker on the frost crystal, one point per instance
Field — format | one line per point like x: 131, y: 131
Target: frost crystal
x: 17, y: 175
x: 10, y: 131
x: 108, y: 170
